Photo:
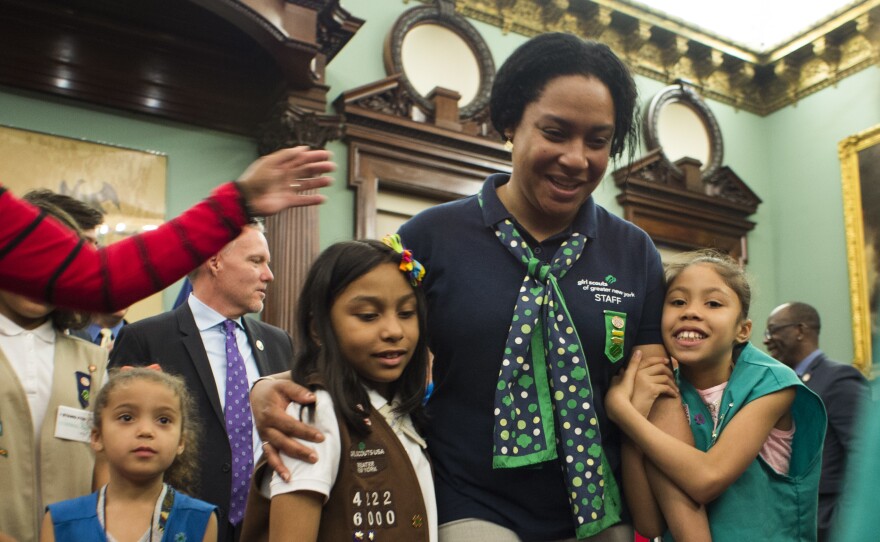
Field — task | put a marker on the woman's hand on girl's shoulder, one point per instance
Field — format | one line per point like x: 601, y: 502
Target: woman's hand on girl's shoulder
x: 278, y: 431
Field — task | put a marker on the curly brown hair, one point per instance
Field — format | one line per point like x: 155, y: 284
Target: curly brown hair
x: 182, y: 472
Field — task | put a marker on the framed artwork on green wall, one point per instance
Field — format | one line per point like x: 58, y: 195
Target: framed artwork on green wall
x: 860, y: 168
x: 127, y: 185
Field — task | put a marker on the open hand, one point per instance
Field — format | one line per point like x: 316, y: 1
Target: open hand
x: 283, y: 179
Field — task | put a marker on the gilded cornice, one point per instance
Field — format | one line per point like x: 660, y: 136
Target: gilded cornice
x: 666, y: 50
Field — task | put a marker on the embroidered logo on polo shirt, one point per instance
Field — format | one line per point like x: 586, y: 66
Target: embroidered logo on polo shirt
x: 367, y: 460
x: 603, y: 291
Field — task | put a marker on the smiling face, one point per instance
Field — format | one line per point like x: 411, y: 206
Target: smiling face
x: 376, y: 324
x: 783, y: 335
x: 702, y: 320
x: 140, y: 430
x: 561, y: 149
x: 242, y: 275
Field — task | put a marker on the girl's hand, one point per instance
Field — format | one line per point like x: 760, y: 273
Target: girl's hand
x: 619, y: 396
x: 653, y: 379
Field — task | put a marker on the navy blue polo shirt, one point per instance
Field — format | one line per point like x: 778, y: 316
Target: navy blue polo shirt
x: 471, y: 284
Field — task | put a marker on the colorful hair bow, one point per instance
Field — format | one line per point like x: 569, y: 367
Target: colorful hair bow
x: 409, y: 265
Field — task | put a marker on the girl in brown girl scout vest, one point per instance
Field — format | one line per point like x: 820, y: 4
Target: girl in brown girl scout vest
x: 362, y: 349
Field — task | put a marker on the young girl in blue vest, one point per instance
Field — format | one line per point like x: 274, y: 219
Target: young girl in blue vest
x: 753, y: 470
x: 361, y: 348
x: 143, y: 425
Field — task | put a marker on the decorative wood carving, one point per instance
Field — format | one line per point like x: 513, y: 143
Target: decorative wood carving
x: 685, y: 94
x: 388, y: 149
x: 656, y: 197
x: 665, y: 49
x: 440, y: 12
x: 685, y: 204
x: 214, y: 63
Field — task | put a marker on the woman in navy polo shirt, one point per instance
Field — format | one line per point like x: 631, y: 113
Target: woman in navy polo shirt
x: 536, y: 296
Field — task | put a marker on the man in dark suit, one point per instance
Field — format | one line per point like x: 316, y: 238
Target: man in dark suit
x: 792, y: 337
x: 199, y: 341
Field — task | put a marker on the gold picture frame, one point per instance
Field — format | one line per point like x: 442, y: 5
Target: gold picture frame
x: 860, y: 174
x: 128, y: 185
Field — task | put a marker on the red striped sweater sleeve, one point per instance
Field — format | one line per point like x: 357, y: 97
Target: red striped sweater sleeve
x: 42, y: 259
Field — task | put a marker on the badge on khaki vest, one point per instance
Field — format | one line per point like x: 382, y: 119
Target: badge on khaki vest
x: 73, y: 424
x: 83, y: 388
x: 615, y: 330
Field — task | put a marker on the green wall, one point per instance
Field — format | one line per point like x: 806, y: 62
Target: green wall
x: 806, y: 224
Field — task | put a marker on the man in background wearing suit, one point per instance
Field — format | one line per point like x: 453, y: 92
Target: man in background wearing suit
x: 792, y: 337
x: 220, y: 354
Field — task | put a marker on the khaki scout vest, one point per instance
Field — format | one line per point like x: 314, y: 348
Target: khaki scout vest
x: 65, y: 466
x: 376, y: 491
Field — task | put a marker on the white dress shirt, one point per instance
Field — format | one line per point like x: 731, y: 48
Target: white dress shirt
x: 32, y: 355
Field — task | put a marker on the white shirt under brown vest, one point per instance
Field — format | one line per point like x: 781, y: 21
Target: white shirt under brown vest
x: 376, y: 485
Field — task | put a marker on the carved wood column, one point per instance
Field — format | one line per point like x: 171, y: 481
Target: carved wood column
x: 293, y: 234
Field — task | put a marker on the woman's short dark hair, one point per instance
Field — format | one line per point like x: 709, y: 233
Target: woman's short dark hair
x: 524, y: 74
x: 317, y: 347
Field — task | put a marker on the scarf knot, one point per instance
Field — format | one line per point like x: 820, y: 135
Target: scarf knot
x: 543, y: 269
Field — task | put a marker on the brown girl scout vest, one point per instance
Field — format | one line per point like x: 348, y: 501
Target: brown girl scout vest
x: 376, y: 496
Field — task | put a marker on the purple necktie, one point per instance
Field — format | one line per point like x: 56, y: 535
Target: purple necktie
x: 239, y: 425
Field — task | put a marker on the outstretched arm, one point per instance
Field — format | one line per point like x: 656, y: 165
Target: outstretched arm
x: 42, y: 259
x: 702, y: 475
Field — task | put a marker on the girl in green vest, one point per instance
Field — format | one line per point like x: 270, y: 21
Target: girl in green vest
x: 753, y: 468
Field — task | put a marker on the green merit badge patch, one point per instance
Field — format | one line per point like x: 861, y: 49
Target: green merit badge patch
x: 615, y: 330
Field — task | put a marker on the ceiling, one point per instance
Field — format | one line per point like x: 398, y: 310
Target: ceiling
x: 811, y: 50
x: 778, y: 22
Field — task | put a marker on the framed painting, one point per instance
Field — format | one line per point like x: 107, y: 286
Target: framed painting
x: 860, y: 168
x: 127, y: 185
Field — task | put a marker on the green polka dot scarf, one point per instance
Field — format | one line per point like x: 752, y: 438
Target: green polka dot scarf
x: 544, y: 398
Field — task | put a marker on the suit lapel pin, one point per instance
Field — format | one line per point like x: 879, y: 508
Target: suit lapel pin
x: 806, y: 377
x: 260, y: 346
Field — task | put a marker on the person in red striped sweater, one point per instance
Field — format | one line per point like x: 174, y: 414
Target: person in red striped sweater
x: 42, y: 259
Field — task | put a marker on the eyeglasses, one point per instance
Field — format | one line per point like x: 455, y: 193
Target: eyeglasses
x: 773, y: 330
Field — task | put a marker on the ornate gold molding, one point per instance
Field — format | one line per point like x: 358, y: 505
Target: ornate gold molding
x: 859, y: 274
x: 666, y: 49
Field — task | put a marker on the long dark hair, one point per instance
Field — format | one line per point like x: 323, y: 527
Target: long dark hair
x: 317, y: 347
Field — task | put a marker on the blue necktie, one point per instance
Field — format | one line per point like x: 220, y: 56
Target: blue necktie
x: 239, y: 425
